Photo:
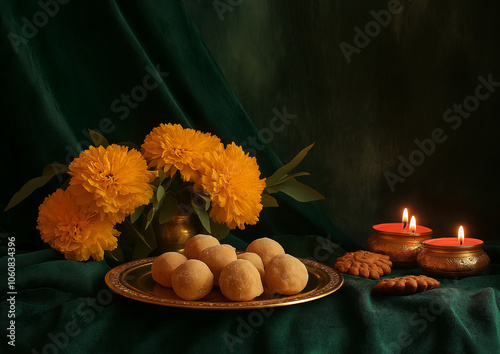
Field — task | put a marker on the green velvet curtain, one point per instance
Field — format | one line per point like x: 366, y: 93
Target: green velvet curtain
x: 120, y: 68
x: 123, y: 67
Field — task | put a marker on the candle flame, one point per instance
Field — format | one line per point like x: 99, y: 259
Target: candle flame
x: 461, y: 234
x: 413, y: 224
x: 405, y: 216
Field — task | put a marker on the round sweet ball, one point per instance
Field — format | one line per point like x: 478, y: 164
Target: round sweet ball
x: 192, y: 280
x: 240, y: 281
x: 265, y: 248
x: 286, y: 275
x: 198, y: 243
x: 255, y: 259
x: 217, y: 257
x: 164, y: 265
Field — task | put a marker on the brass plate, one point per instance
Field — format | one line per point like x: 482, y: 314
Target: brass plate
x: 134, y: 280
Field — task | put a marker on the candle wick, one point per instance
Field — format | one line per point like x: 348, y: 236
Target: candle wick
x: 460, y: 242
x: 404, y: 225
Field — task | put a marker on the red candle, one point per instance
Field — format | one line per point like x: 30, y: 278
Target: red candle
x: 453, y: 257
x: 455, y: 241
x: 402, y: 242
x: 402, y: 228
x: 397, y: 228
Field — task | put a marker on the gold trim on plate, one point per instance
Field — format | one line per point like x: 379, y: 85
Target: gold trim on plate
x: 134, y: 280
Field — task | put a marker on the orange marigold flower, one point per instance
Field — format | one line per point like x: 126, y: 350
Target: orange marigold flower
x: 175, y: 148
x: 232, y: 178
x: 74, y: 230
x: 112, y: 181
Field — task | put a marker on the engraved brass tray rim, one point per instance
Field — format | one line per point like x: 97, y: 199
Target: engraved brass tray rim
x: 329, y: 281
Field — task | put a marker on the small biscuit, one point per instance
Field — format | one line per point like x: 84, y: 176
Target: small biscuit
x: 407, y: 285
x: 364, y: 264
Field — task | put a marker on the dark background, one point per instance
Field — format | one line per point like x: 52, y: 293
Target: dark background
x: 365, y: 114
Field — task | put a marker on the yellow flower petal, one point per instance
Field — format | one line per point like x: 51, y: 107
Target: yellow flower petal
x: 74, y: 230
x: 174, y: 148
x: 232, y: 178
x: 111, y: 181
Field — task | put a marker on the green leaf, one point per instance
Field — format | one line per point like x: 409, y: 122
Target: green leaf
x: 98, y: 139
x: 169, y: 208
x: 110, y: 255
x: 141, y: 250
x: 116, y: 254
x: 283, y: 170
x: 134, y: 232
x: 201, y: 200
x: 272, y: 190
x: 287, y: 177
x: 126, y: 239
x: 161, y: 176
x: 299, y: 191
x: 156, y: 203
x: 137, y: 213
x: 268, y: 201
x: 203, y: 216
x: 159, y: 180
x: 149, y: 218
x: 160, y: 193
x: 169, y: 182
x: 219, y: 231
x: 29, y: 187
x: 149, y: 236
x: 206, y: 197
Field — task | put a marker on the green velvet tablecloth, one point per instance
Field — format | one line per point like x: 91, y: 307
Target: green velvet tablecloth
x: 65, y: 307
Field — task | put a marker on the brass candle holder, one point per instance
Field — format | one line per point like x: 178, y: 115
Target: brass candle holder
x: 402, y: 247
x: 452, y: 261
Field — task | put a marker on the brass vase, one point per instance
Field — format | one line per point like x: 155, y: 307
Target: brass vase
x: 172, y: 235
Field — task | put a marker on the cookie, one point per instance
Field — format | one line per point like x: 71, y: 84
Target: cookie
x: 364, y: 264
x: 407, y: 285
